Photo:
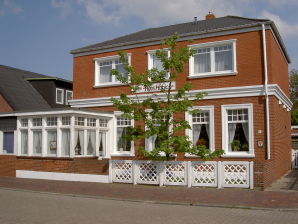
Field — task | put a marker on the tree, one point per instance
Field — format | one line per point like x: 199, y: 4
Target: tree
x: 159, y: 112
x: 293, y: 75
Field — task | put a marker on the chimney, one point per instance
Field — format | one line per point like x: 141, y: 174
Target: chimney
x: 210, y: 15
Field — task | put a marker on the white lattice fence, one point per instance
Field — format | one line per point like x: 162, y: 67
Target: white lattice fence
x: 147, y: 172
x: 122, y: 171
x: 175, y: 173
x: 204, y: 174
x: 195, y: 173
x: 294, y: 159
x: 235, y: 174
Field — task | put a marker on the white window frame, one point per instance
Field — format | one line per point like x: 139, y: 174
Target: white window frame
x: 115, y: 152
x: 189, y: 132
x: 150, y: 54
x: 113, y: 58
x: 212, y: 61
x: 67, y: 92
x: 62, y: 96
x: 225, y: 133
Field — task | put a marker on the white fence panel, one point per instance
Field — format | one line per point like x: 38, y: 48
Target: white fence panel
x: 175, y: 173
x: 147, y: 172
x: 294, y: 159
x: 122, y: 171
x: 235, y: 174
x: 204, y: 174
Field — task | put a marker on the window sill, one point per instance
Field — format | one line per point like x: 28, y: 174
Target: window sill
x: 122, y: 154
x: 209, y: 74
x: 7, y: 154
x: 238, y: 155
x: 108, y: 85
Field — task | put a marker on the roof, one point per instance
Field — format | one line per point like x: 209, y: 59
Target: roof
x: 183, y: 29
x: 18, y: 92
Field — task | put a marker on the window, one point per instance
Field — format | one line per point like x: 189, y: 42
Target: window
x: 91, y: 142
x: 66, y: 121
x: 65, y: 144
x: 51, y: 142
x: 52, y: 121
x: 37, y: 141
x: 216, y: 58
x: 68, y: 96
x: 24, y: 142
x: 37, y: 122
x: 91, y: 122
x: 79, y: 142
x: 155, y: 62
x: 237, y: 130
x: 59, y: 96
x: 8, y: 142
x: 102, y: 142
x: 202, y: 126
x: 80, y: 121
x: 24, y: 122
x: 103, y: 123
x: 103, y: 67
x: 123, y: 144
x: 154, y: 141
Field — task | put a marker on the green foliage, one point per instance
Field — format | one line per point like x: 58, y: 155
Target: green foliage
x: 293, y: 77
x: 156, y: 112
x: 294, y: 117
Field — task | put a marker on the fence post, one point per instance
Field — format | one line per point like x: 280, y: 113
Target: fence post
x: 134, y: 167
x: 189, y: 174
x: 110, y: 171
x: 161, y: 168
x: 251, y: 175
x: 219, y: 174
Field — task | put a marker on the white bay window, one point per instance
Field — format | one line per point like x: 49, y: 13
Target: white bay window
x: 123, y: 145
x: 237, y: 129
x: 213, y: 59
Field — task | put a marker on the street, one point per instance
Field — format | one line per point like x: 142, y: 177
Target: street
x: 30, y: 207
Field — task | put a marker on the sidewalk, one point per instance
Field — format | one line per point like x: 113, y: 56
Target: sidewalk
x: 177, y: 195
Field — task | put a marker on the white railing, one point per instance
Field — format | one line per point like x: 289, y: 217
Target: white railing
x: 186, y: 173
x: 294, y: 159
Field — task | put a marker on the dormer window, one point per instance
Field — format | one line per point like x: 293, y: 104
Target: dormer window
x: 68, y: 96
x: 59, y: 96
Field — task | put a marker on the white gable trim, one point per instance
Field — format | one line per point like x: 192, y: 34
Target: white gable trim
x: 216, y: 93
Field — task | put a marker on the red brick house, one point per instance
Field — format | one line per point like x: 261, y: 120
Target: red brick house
x: 240, y: 62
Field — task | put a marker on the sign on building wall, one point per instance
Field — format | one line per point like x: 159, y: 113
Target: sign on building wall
x: 157, y: 87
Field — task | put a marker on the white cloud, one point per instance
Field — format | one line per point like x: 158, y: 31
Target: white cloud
x: 12, y: 7
x: 64, y: 6
x: 287, y: 30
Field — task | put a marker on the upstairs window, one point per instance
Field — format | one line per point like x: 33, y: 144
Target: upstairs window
x: 59, y: 96
x: 211, y: 59
x: 103, y: 67
x: 155, y: 62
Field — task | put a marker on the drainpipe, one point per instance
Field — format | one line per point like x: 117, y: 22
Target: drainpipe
x: 266, y: 92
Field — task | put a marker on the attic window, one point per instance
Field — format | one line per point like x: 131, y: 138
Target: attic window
x: 68, y: 96
x: 59, y: 96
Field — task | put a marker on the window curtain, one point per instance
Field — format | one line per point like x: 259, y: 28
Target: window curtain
x: 122, y: 143
x: 202, y: 63
x: 223, y: 60
x: 37, y: 142
x: 52, y: 142
x: 101, y: 139
x: 65, y: 142
x: 91, y: 142
x: 24, y: 142
x: 79, y: 143
x: 196, y: 130
x: 105, y: 74
x: 231, y: 130
x: 245, y: 130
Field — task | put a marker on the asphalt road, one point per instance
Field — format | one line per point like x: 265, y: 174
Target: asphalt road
x: 22, y: 207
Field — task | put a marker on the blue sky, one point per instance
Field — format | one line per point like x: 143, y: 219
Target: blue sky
x: 37, y: 35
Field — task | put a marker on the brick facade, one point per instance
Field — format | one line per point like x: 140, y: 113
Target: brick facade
x: 4, y: 106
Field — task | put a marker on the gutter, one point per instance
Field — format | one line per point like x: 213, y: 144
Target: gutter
x: 266, y: 92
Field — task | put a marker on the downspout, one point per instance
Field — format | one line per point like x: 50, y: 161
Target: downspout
x: 266, y: 92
